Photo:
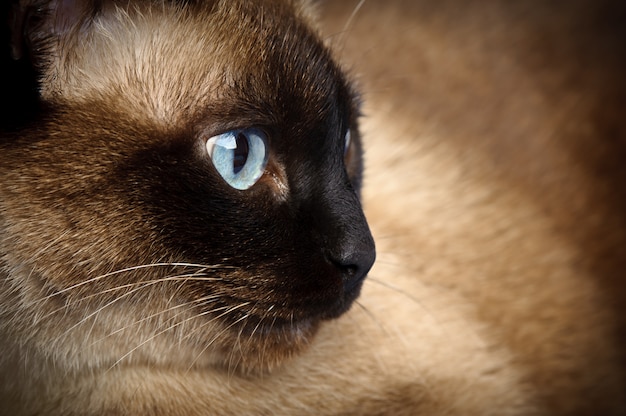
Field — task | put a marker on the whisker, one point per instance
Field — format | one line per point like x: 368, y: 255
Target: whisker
x: 169, y: 328
x: 348, y: 23
x: 90, y: 315
x: 198, y: 276
x: 50, y: 244
x: 93, y: 324
x: 154, y: 315
x: 251, y: 336
x: 236, y: 345
x: 394, y: 288
x: 406, y: 295
x: 343, y: 33
x: 130, y: 269
x: 219, y: 334
x: 441, y: 324
x: 262, y: 351
x: 373, y: 317
x: 191, y: 333
x: 146, y: 283
x: 142, y: 285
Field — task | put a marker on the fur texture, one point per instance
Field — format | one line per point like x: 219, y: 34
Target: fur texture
x: 494, y: 189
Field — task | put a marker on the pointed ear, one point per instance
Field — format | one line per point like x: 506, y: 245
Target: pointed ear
x: 33, y: 22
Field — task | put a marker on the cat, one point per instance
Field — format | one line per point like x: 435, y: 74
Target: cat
x: 181, y: 224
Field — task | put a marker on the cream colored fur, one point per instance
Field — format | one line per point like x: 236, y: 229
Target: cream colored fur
x: 482, y: 301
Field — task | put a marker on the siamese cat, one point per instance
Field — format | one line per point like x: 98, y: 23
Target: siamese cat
x: 181, y: 221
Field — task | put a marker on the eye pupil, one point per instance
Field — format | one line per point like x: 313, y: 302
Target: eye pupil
x: 239, y: 156
x: 241, y: 153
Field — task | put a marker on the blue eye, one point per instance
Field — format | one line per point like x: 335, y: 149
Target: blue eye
x: 239, y: 156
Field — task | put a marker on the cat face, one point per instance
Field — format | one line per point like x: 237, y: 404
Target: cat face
x: 191, y: 183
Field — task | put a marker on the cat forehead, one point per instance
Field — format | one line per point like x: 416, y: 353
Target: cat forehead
x: 168, y: 63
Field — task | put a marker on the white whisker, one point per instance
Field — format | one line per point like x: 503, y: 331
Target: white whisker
x: 348, y: 23
x: 218, y: 335
x: 198, y: 276
x: 129, y: 269
x: 169, y: 328
x: 204, y: 299
x: 90, y: 315
x: 371, y: 315
x: 403, y: 293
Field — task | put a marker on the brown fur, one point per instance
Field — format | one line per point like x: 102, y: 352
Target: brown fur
x: 494, y: 188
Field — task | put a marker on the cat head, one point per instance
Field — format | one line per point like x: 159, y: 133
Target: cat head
x: 190, y: 189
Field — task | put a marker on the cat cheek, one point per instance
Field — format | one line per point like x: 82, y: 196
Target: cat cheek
x: 275, y: 178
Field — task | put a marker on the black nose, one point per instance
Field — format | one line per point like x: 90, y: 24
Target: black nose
x: 354, y: 262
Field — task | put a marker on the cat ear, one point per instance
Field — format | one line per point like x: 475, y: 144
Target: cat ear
x: 32, y: 22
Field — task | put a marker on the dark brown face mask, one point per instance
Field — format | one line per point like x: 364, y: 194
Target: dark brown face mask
x: 257, y: 185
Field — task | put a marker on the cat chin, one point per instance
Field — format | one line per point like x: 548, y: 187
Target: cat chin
x: 258, y: 345
x: 260, y: 350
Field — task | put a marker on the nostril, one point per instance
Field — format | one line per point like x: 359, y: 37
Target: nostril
x: 352, y: 278
x: 354, y: 265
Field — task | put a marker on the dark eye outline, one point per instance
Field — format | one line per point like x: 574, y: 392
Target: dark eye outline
x: 240, y: 156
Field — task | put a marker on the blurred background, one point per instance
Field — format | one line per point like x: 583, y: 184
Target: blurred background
x: 523, y: 102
